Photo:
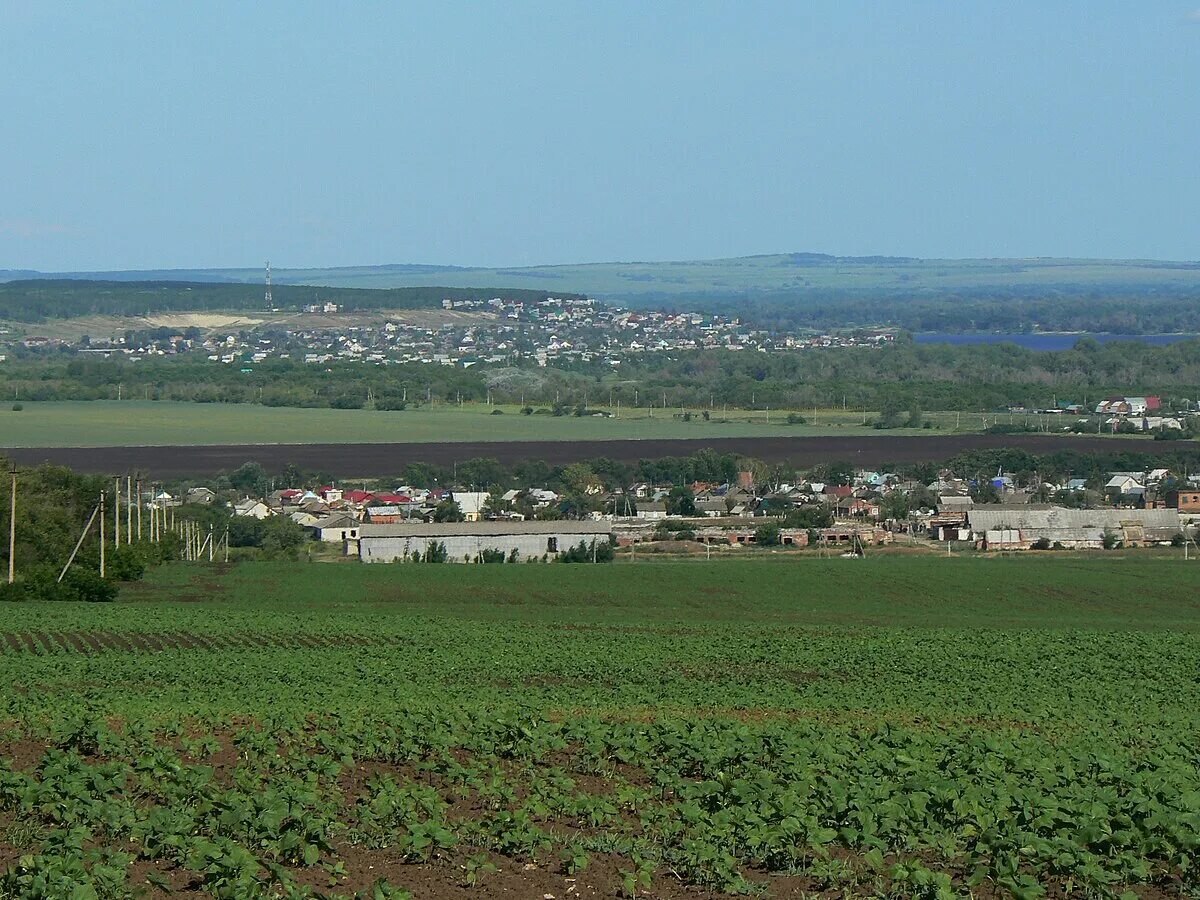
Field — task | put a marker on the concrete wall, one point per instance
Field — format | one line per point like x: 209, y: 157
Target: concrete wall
x: 528, y: 546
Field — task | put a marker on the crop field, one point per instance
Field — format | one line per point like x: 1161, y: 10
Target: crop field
x: 159, y: 423
x: 891, y: 727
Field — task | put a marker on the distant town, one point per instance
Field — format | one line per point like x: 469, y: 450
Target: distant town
x: 553, y: 330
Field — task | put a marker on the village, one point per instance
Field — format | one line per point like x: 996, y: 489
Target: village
x: 548, y: 331
x: 851, y: 512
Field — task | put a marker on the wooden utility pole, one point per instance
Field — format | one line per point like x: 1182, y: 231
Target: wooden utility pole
x: 129, y: 509
x: 79, y: 543
x: 102, y: 493
x: 12, y: 530
x: 117, y: 513
x: 139, y: 510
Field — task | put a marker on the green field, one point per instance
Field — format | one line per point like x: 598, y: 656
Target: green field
x: 105, y: 423
x: 892, y: 727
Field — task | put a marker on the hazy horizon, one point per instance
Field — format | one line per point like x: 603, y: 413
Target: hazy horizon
x: 535, y: 134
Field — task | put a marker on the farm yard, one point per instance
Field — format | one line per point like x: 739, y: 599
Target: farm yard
x: 895, y: 726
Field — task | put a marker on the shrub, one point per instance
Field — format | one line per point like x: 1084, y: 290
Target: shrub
x: 585, y: 553
x: 17, y: 407
x: 767, y: 535
x: 1042, y: 543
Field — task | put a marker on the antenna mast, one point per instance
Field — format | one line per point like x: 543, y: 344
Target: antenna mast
x: 267, y: 296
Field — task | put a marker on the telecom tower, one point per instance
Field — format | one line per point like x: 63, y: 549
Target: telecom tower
x: 267, y: 297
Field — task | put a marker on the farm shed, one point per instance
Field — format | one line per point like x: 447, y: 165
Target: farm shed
x: 464, y: 541
x: 1020, y: 527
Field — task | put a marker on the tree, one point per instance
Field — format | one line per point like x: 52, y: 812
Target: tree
x: 896, y: 505
x: 249, y: 478
x: 681, y: 502
x: 448, y: 511
x: 984, y: 491
x: 809, y: 517
x: 767, y: 536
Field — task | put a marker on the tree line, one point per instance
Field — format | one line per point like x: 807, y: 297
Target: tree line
x: 929, y: 377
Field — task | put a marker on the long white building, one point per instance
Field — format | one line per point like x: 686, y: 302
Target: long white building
x: 466, y: 541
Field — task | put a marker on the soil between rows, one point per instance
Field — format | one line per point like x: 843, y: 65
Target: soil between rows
x: 378, y: 460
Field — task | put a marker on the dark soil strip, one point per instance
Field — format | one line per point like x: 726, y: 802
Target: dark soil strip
x: 61, y: 640
x: 30, y: 644
x: 92, y: 641
x: 78, y: 644
x: 13, y: 642
x: 369, y: 460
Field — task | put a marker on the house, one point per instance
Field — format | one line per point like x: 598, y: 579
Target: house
x: 336, y: 528
x: 467, y: 541
x: 1020, y: 527
x: 1125, y: 487
x: 385, y: 515
x: 1185, y: 501
x: 251, y: 508
x: 954, y: 503
x: 856, y: 507
x: 1128, y: 406
x: 711, y: 508
x: 329, y: 493
x: 654, y: 509
x: 199, y: 495
x: 471, y: 503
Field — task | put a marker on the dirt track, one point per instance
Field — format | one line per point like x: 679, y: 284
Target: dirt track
x: 371, y: 460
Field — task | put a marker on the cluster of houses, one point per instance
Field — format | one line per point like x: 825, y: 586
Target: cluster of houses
x: 1130, y: 508
x: 500, y: 330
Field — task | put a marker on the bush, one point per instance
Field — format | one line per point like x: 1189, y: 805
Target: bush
x: 12, y: 593
x: 78, y: 585
x: 585, y: 553
x: 497, y: 412
x: 1042, y: 543
x: 796, y: 419
x: 126, y: 563
x: 767, y: 536
x: 17, y: 407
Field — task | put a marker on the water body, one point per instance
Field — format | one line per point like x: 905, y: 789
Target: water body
x: 1045, y: 341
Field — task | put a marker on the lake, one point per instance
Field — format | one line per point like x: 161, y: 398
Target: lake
x: 1044, y: 341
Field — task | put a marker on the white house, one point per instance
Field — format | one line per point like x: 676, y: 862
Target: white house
x: 254, y: 509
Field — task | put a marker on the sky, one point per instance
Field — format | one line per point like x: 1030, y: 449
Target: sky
x: 181, y: 135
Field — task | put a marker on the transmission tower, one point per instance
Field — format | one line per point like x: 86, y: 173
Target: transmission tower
x: 267, y: 297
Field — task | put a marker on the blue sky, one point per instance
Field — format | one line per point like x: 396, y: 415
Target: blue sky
x: 183, y: 134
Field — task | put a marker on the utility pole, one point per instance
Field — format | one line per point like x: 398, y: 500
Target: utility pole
x: 102, y: 493
x: 117, y: 513
x: 79, y: 543
x: 139, y: 510
x: 12, y: 529
x: 129, y: 509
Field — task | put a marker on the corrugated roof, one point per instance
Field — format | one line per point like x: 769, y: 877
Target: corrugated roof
x: 1039, y: 518
x: 459, y: 529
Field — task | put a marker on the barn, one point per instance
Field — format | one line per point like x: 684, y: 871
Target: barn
x: 467, y: 541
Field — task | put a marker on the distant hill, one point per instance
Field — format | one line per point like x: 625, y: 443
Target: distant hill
x: 813, y: 290
x: 793, y: 272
